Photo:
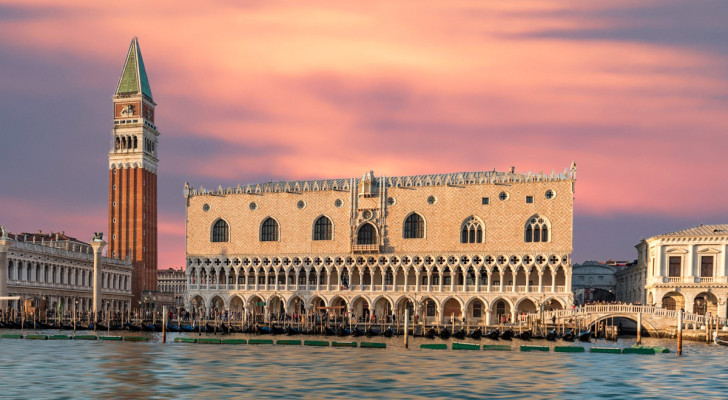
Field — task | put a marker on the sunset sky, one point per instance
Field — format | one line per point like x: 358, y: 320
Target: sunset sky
x: 635, y: 92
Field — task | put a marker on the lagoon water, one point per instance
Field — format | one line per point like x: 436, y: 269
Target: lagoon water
x: 103, y: 370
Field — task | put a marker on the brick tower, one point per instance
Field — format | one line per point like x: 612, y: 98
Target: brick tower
x: 133, y: 175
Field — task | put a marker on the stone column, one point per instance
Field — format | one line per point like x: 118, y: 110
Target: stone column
x: 540, y: 281
x: 406, y: 274
x: 98, y: 246
x: 5, y: 243
x: 690, y: 272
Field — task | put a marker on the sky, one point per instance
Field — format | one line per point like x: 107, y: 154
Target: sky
x: 636, y: 93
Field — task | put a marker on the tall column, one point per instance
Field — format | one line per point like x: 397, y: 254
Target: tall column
x: 405, y: 280
x: 98, y: 245
x: 5, y: 243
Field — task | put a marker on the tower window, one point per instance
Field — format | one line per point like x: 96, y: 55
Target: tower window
x: 485, y: 201
x: 536, y: 229
x: 529, y: 199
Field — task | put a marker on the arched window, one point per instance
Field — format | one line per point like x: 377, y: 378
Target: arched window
x: 269, y: 230
x: 536, y: 229
x: 220, y: 231
x: 322, y: 229
x: 472, y: 231
x: 366, y: 235
x: 414, y: 227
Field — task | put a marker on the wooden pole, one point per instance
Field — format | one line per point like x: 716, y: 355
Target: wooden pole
x: 639, y: 328
x: 406, y: 327
x: 679, y: 332
x: 164, y: 324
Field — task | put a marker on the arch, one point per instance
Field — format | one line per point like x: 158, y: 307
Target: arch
x: 383, y: 306
x: 269, y: 230
x: 705, y: 302
x: 526, y: 305
x: 367, y: 234
x: 554, y: 303
x: 339, y: 301
x: 646, y: 324
x: 673, y: 301
x: 452, y: 306
x: 276, y: 305
x: 323, y: 228
x: 537, y: 229
x: 472, y: 230
x: 414, y: 226
x: 220, y: 231
x: 236, y: 302
x: 361, y: 306
x: 217, y: 303
x: 475, y: 307
x: 295, y: 304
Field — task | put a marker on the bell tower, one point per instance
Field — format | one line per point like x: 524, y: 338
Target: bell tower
x: 133, y: 174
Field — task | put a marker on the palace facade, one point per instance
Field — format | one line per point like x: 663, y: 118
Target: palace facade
x: 59, y: 269
x: 475, y: 245
x: 686, y: 269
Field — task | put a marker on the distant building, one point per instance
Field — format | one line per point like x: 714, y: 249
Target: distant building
x: 595, y: 281
x: 173, y: 281
x: 59, y: 269
x: 686, y: 270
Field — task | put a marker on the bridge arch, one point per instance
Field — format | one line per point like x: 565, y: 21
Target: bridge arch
x: 651, y: 331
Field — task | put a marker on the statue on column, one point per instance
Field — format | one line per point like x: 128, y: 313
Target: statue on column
x: 3, y: 232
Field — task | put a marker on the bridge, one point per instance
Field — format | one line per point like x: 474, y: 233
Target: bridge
x: 655, y: 320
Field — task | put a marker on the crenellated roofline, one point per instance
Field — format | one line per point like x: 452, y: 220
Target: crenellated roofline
x: 346, y: 184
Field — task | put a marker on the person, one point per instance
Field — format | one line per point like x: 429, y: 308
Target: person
x: 553, y: 320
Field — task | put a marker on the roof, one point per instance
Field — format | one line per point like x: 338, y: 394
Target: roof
x: 700, y: 230
x: 133, y: 78
x: 43, y: 236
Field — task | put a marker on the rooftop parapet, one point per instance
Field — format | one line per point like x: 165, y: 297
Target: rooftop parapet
x: 449, y: 179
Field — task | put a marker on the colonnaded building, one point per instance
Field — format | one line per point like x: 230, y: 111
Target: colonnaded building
x: 686, y: 269
x: 59, y: 269
x: 472, y: 244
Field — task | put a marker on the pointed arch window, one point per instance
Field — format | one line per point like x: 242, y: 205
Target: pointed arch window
x: 322, y: 229
x: 269, y: 231
x: 366, y: 234
x: 472, y: 231
x: 414, y: 227
x: 536, y: 230
x: 220, y: 231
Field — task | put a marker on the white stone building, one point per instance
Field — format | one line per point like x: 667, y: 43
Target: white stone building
x: 173, y: 281
x: 593, y: 281
x: 686, y: 270
x: 59, y: 269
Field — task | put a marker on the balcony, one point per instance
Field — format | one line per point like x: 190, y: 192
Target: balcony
x: 704, y: 279
x: 674, y: 279
x: 365, y: 248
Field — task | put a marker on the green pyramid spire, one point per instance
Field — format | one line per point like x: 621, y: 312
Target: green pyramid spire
x: 133, y: 78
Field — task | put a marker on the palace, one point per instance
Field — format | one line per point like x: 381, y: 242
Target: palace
x: 477, y: 245
x: 687, y: 270
x: 59, y: 269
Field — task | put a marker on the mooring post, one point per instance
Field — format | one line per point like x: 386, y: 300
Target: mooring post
x: 679, y: 332
x: 406, y: 328
x: 164, y: 324
x: 639, y: 328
